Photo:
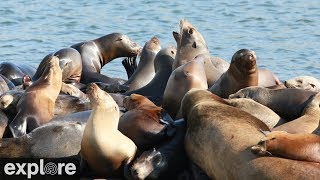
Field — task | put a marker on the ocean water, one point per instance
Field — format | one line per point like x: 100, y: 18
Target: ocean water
x: 285, y: 34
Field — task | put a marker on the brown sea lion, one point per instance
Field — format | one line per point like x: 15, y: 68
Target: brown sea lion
x: 69, y: 61
x: 190, y: 44
x: 145, y: 123
x: 304, y: 82
x: 145, y: 70
x: 52, y: 140
x: 302, y: 147
x: 98, y: 52
x: 182, y: 79
x: 287, y: 103
x: 162, y: 65
x: 309, y: 120
x: 241, y: 73
x: 103, y: 147
x: 166, y: 161
x: 219, y: 138
x: 263, y: 113
x: 36, y: 106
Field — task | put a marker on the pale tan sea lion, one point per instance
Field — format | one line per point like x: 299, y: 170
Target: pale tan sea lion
x: 103, y: 146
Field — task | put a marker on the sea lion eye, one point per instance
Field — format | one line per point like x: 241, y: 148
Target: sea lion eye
x: 119, y: 39
x: 172, y: 52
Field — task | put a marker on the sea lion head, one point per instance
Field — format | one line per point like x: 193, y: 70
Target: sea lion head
x: 126, y: 46
x: 150, y: 164
x: 152, y: 45
x: 245, y: 60
x: 164, y: 58
x: 248, y: 92
x: 269, y: 144
x: 135, y: 100
x: 99, y: 97
x: 190, y: 35
x: 303, y: 82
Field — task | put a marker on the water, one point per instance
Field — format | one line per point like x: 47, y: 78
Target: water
x: 285, y: 34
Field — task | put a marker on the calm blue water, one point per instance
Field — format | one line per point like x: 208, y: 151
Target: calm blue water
x: 284, y: 34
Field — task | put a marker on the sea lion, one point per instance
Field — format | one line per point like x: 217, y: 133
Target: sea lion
x: 166, y: 161
x: 302, y: 147
x: 188, y: 76
x: 190, y: 44
x: 304, y: 82
x: 241, y: 73
x: 69, y: 61
x: 36, y: 106
x: 219, y: 138
x: 145, y: 123
x: 145, y: 70
x: 162, y: 65
x: 103, y: 147
x: 287, y: 103
x: 98, y: 52
x: 265, y: 114
x: 309, y: 120
x: 52, y: 140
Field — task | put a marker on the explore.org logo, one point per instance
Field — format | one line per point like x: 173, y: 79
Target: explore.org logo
x: 39, y: 168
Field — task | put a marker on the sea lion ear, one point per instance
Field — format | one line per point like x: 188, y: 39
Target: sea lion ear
x: 264, y: 132
x: 312, y: 85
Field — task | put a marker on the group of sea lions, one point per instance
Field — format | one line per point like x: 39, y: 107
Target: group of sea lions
x: 182, y: 113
